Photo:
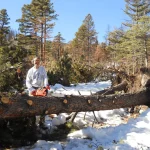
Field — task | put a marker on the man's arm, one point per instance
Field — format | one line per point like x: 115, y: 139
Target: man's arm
x: 28, y: 82
x: 46, y: 84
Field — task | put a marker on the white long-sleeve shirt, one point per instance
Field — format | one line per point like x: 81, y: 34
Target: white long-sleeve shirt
x: 36, y: 78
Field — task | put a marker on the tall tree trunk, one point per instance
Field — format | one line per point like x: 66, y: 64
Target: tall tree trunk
x: 146, y: 54
x: 41, y: 48
x: 44, y: 44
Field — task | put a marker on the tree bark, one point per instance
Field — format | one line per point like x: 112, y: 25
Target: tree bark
x: 24, y: 106
x: 112, y: 90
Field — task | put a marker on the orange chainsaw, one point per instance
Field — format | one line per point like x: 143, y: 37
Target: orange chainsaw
x: 41, y: 91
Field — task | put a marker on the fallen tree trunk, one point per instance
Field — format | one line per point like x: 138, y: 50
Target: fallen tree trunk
x: 23, y: 106
x: 120, y: 87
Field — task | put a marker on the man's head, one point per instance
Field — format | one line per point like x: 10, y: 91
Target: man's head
x: 36, y: 62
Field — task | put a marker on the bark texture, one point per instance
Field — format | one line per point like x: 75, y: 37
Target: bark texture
x: 24, y: 106
x: 120, y: 87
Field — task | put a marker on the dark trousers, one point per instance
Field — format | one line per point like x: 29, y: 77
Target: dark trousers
x: 42, y: 117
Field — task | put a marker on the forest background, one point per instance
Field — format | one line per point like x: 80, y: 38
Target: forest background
x: 82, y: 59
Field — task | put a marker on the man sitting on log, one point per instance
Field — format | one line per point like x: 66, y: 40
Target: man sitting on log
x: 36, y: 79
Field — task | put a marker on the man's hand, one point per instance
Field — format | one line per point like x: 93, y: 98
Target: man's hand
x: 48, y: 87
x: 33, y: 92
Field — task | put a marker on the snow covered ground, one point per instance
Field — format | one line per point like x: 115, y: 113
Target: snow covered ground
x: 115, y: 135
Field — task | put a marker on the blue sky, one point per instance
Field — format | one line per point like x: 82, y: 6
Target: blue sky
x: 105, y: 13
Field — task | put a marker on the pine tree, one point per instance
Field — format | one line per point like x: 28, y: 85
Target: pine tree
x: 79, y: 43
x: 91, y: 36
x: 12, y: 57
x: 138, y: 11
x: 28, y: 33
x: 115, y: 48
x: 85, y: 41
x: 4, y: 28
x: 36, y: 23
x: 65, y: 67
x: 57, y: 46
x: 135, y: 9
x: 142, y: 34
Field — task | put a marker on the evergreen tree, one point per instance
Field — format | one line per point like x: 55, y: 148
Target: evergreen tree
x: 65, y: 67
x: 130, y: 47
x: 142, y: 34
x: 11, y: 58
x: 4, y: 28
x: 85, y: 41
x: 91, y: 36
x: 79, y: 43
x: 28, y: 33
x: 36, y: 23
x: 115, y: 48
x: 135, y: 9
x: 58, y: 43
x: 61, y: 72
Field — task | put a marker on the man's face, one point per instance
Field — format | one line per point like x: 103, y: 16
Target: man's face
x: 37, y: 61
